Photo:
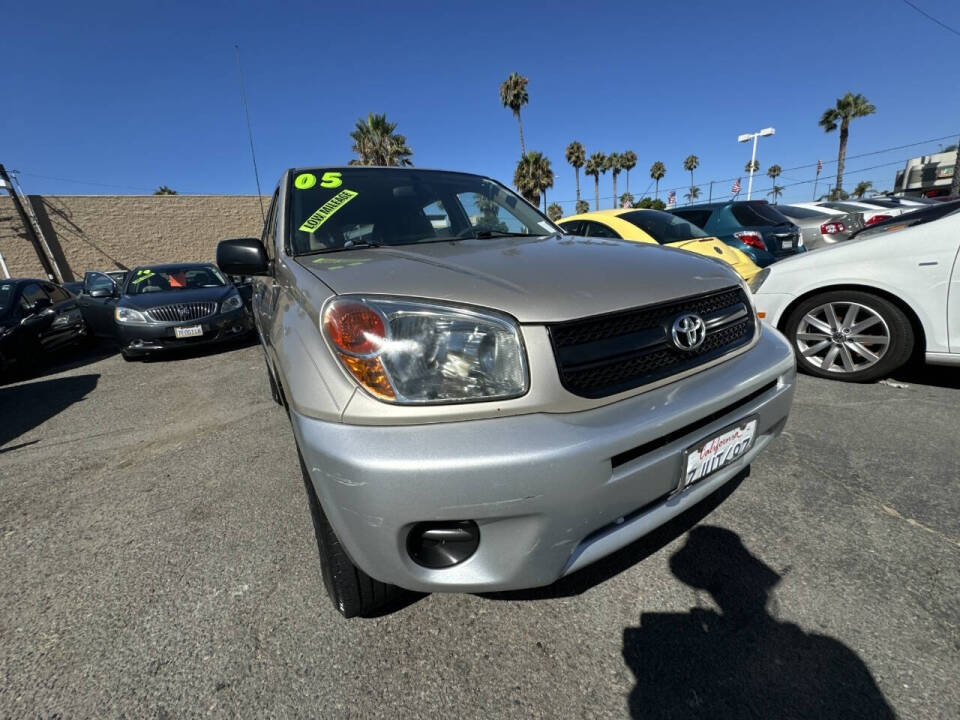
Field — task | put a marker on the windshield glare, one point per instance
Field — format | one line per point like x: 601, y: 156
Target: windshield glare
x: 189, y: 277
x: 349, y: 207
x: 662, y: 226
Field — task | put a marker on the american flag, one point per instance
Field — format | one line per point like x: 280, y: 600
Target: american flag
x: 735, y: 188
x: 819, y: 166
x: 671, y: 198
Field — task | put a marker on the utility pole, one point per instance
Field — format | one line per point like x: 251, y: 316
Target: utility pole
x: 7, y: 184
x: 710, y: 198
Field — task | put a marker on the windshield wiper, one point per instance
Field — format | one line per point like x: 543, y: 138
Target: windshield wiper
x: 351, y: 246
x: 483, y: 234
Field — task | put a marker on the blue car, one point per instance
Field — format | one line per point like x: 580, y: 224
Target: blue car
x: 753, y: 226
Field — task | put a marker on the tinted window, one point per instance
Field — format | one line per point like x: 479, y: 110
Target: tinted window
x: 802, y: 213
x: 700, y: 218
x: 56, y: 294
x: 758, y: 214
x: 7, y: 292
x: 595, y: 229
x: 31, y: 293
x: 662, y: 226
x: 882, y: 203
x: 846, y: 207
x: 189, y: 277
x: 571, y: 227
x: 337, y: 209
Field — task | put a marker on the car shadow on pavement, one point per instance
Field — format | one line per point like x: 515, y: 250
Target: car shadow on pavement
x: 26, y: 406
x: 740, y: 662
x: 186, y: 353
x: 919, y: 373
x: 62, y: 361
x: 625, y: 558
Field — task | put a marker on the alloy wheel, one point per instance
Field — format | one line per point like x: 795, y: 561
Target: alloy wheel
x: 842, y: 337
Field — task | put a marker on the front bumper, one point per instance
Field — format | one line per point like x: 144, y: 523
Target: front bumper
x: 551, y: 493
x: 139, y: 339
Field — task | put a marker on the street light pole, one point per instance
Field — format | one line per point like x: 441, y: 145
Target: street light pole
x: 753, y: 157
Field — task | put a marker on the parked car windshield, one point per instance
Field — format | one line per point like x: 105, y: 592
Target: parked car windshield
x: 917, y: 217
x: 662, y: 226
x: 363, y: 207
x: 752, y: 214
x: 7, y: 293
x: 167, y: 277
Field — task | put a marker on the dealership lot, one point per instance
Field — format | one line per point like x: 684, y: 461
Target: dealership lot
x: 158, y: 553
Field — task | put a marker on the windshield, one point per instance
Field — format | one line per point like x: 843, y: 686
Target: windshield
x: 753, y: 214
x: 358, y: 207
x: 7, y: 292
x: 662, y: 226
x: 165, y: 278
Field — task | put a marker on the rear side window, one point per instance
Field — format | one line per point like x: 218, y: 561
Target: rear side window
x: 571, y: 228
x: 759, y: 214
x: 700, y: 218
x: 595, y: 229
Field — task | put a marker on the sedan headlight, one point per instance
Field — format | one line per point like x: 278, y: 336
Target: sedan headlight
x: 129, y: 315
x: 233, y: 302
x: 757, y: 280
x: 414, y: 352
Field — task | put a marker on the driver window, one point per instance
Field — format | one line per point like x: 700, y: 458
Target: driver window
x: 97, y: 281
x: 31, y: 293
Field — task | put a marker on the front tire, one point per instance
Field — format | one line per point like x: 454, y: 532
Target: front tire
x: 352, y: 591
x: 849, y: 335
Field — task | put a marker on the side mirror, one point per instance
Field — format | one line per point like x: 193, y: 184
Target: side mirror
x: 242, y: 256
x: 101, y: 293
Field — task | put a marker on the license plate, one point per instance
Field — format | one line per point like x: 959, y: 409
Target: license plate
x: 717, y: 452
x: 185, y: 332
x: 786, y: 244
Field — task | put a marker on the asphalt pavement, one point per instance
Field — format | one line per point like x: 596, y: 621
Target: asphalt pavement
x: 158, y: 560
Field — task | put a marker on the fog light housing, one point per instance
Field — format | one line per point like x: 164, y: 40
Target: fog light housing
x: 438, y: 545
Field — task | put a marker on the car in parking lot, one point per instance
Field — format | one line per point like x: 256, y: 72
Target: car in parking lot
x: 656, y: 226
x: 164, y: 307
x: 861, y: 310
x: 37, y: 318
x: 481, y: 402
x: 821, y: 226
x: 754, y: 227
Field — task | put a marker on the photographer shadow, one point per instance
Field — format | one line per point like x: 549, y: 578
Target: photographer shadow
x: 740, y: 662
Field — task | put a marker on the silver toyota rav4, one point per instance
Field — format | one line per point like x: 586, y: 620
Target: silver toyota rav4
x: 483, y: 403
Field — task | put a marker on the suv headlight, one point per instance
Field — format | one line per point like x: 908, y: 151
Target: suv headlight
x: 233, y: 302
x: 129, y: 315
x: 757, y: 280
x: 415, y: 352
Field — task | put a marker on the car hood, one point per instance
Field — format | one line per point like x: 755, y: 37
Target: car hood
x: 175, y: 297
x: 535, y: 279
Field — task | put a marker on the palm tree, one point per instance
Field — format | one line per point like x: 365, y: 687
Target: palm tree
x: 773, y: 172
x: 692, y: 194
x: 776, y: 191
x: 594, y: 166
x: 614, y: 164
x: 752, y: 166
x: 164, y: 190
x: 533, y: 176
x: 628, y: 161
x: 848, y: 107
x: 513, y: 95
x: 582, y: 207
x: 657, y: 171
x: 690, y: 164
x: 554, y: 212
x: 626, y: 200
x: 576, y: 156
x: 863, y: 187
x: 376, y: 143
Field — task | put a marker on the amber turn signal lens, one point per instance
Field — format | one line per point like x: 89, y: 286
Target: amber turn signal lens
x: 354, y: 328
x: 369, y: 373
x: 761, y: 315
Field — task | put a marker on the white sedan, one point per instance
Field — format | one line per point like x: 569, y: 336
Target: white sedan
x: 858, y: 310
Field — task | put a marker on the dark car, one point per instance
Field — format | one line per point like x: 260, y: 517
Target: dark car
x: 164, y: 307
x: 755, y: 227
x: 36, y: 318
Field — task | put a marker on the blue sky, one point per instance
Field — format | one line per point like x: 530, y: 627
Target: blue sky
x: 128, y: 96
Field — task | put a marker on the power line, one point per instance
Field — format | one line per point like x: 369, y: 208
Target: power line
x: 930, y: 17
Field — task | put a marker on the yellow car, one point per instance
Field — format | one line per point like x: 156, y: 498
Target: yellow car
x: 656, y: 226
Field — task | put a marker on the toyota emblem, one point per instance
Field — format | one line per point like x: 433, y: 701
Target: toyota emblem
x: 689, y: 331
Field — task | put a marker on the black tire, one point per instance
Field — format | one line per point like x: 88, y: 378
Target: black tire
x: 899, y: 332
x: 128, y: 357
x: 352, y: 591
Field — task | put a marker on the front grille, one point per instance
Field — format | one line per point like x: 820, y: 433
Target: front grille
x: 608, y: 354
x: 182, y: 312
